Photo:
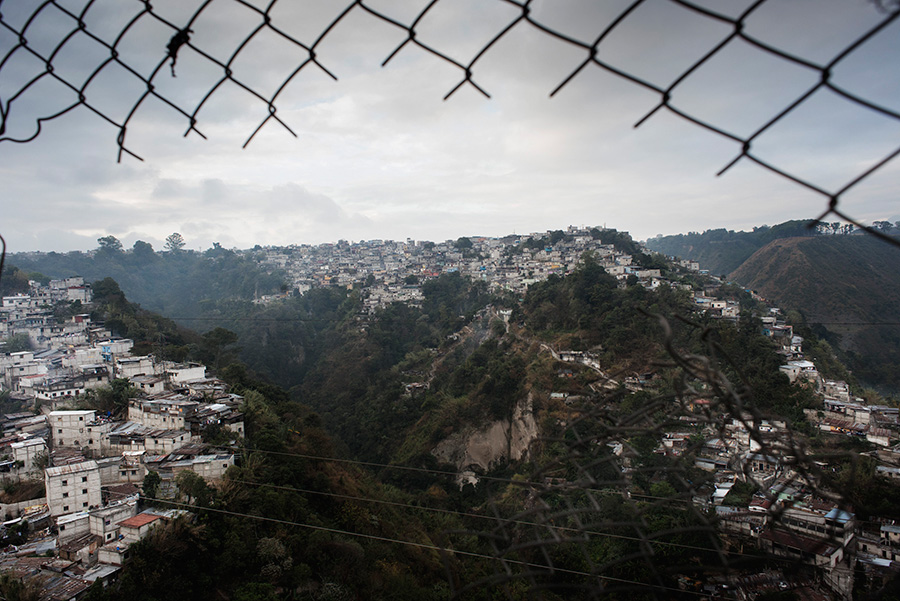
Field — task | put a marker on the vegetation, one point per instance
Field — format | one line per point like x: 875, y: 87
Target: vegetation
x: 174, y: 283
x: 322, y: 380
x: 722, y: 251
x: 834, y: 283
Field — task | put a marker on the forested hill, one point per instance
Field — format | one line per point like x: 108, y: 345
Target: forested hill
x: 722, y: 251
x: 175, y: 284
x: 836, y: 280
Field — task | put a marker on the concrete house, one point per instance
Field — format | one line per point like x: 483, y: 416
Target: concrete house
x: 69, y: 428
x: 73, y: 487
x: 104, y: 522
x: 26, y: 452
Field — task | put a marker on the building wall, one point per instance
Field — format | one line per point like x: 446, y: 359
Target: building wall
x: 72, y: 488
x: 166, y: 444
x: 155, y: 419
x: 73, y: 526
x: 27, y: 451
x: 69, y: 428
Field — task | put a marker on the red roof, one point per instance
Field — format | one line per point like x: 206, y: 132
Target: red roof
x: 141, y: 519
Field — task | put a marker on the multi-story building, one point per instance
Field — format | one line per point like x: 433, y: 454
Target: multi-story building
x: 70, y: 428
x: 73, y: 487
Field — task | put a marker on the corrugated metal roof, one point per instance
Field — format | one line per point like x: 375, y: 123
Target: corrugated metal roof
x: 72, y: 468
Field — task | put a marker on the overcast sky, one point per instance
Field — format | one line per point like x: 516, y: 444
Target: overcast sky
x: 380, y: 154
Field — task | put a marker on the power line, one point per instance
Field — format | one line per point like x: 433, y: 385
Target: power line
x: 426, y: 546
x: 445, y: 472
x: 504, y: 520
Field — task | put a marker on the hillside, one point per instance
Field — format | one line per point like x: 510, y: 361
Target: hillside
x: 722, y: 251
x: 421, y: 442
x: 836, y: 281
x: 175, y: 284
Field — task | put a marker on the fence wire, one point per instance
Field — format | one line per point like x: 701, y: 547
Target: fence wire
x: 574, y: 525
x: 579, y: 527
x: 71, y: 25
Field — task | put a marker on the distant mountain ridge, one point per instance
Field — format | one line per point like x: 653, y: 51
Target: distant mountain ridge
x: 838, y: 281
x: 722, y: 251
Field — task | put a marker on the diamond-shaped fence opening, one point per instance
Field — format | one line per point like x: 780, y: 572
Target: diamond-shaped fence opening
x: 238, y: 33
x: 574, y: 523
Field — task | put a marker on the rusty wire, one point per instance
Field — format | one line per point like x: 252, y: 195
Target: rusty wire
x: 180, y: 42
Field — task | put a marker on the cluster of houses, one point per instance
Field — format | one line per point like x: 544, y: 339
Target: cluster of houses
x: 392, y: 271
x: 91, y: 463
x: 790, y: 515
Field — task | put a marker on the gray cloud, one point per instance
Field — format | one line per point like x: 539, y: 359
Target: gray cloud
x: 379, y: 154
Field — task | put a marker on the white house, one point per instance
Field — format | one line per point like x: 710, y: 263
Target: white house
x: 73, y: 487
x: 70, y: 428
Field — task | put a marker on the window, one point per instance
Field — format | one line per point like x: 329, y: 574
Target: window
x: 65, y: 508
x: 84, y: 478
x: 123, y: 473
x: 81, y: 419
x: 65, y: 482
x: 84, y: 491
x: 62, y: 527
x: 84, y: 504
x: 65, y: 494
x: 59, y: 431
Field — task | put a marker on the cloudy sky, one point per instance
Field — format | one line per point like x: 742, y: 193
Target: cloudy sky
x: 379, y: 153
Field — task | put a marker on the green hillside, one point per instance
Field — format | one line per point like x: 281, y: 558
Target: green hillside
x: 175, y: 284
x: 838, y: 281
x: 722, y: 251
x: 340, y: 491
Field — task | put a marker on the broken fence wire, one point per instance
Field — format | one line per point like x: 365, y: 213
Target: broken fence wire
x: 580, y: 525
x: 86, y: 94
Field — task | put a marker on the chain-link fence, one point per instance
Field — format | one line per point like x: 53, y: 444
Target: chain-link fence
x: 580, y: 527
x: 53, y: 34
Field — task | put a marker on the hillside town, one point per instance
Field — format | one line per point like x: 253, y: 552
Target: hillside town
x: 75, y: 478
x: 393, y: 271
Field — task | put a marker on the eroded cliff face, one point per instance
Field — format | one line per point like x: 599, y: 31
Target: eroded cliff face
x: 480, y: 449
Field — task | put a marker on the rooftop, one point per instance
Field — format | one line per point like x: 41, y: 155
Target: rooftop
x: 141, y: 519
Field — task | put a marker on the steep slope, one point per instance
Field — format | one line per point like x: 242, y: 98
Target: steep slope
x: 722, y: 251
x: 838, y: 281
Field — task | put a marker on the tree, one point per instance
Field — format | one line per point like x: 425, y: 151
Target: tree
x: 18, y: 342
x: 194, y: 487
x: 142, y: 251
x: 109, y: 245
x: 151, y: 484
x: 14, y: 588
x: 113, y: 398
x: 463, y: 243
x: 175, y: 243
x: 215, y: 343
